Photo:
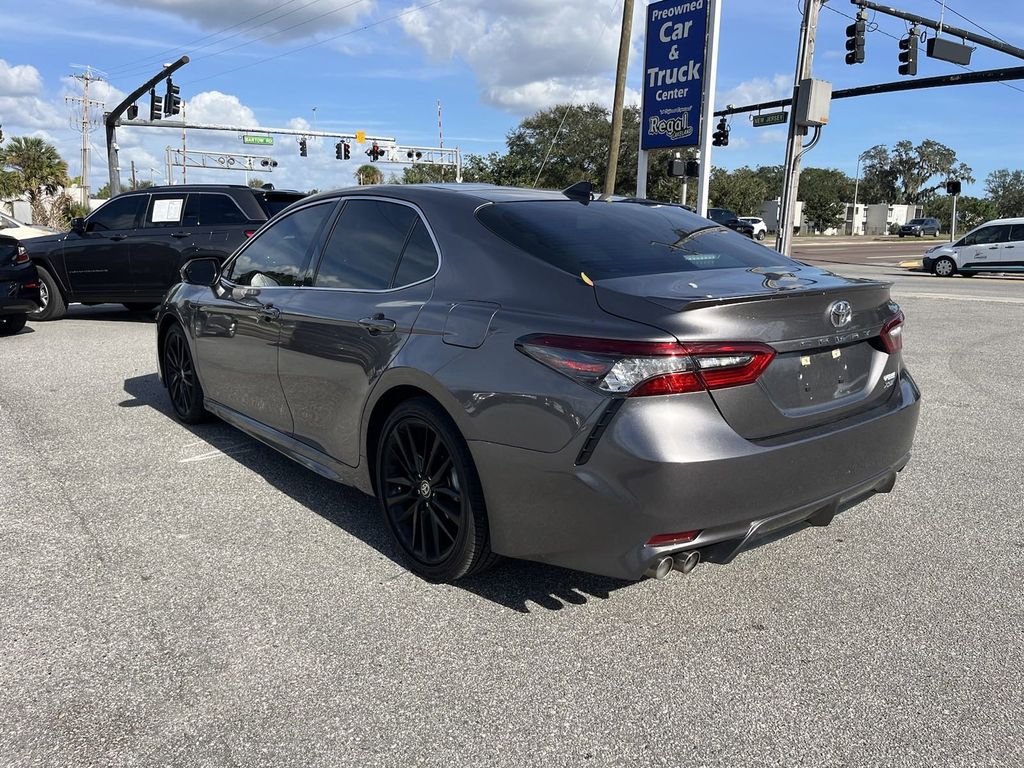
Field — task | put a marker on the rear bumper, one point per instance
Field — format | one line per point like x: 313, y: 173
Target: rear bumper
x: 16, y: 298
x: 671, y: 464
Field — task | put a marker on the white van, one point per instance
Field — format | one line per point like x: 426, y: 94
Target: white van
x: 996, y: 246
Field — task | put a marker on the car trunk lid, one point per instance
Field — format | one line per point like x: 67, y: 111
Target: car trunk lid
x: 827, y: 366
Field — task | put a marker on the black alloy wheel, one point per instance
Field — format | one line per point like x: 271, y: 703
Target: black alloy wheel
x: 430, y: 494
x: 11, y: 324
x: 51, y: 302
x: 180, y: 377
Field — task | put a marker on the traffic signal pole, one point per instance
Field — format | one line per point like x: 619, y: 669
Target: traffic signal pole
x: 795, y: 141
x: 710, y: 78
x: 111, y: 118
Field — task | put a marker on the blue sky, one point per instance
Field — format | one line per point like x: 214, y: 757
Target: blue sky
x: 380, y: 66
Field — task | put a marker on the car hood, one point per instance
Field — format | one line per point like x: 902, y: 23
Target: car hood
x: 944, y: 249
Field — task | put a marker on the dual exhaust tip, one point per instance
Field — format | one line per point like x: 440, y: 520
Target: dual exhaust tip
x: 684, y: 562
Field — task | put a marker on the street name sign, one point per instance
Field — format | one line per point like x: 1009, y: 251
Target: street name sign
x: 674, y: 63
x: 771, y: 118
x: 262, y: 140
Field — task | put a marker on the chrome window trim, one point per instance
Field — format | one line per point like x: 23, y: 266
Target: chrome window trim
x: 343, y: 199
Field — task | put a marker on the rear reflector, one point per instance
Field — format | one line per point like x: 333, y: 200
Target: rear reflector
x: 664, y: 539
x: 640, y: 368
x: 892, y: 334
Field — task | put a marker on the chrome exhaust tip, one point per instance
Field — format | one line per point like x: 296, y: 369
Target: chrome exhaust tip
x: 687, y: 561
x: 660, y: 568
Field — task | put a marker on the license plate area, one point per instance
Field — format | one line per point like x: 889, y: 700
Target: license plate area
x: 811, y: 378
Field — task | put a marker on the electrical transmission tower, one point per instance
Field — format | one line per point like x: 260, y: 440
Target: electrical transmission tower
x: 84, y: 124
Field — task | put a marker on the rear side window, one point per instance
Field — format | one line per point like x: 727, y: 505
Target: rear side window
x: 118, y: 213
x: 419, y: 259
x: 280, y: 254
x: 219, y: 210
x: 1016, y: 233
x: 275, y: 202
x: 608, y: 240
x: 366, y: 244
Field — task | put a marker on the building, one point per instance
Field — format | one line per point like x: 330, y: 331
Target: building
x: 866, y: 220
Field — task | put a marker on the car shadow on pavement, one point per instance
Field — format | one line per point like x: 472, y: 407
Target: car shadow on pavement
x: 109, y: 312
x: 511, y: 583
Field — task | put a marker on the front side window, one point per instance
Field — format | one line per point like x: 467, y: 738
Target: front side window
x: 609, y: 240
x: 366, y: 245
x: 117, y: 213
x: 999, y: 233
x: 280, y: 255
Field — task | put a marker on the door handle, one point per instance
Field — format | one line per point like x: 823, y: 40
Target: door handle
x: 378, y: 324
x: 118, y: 237
x: 993, y: 247
x: 181, y: 234
x: 269, y: 311
x: 1009, y: 246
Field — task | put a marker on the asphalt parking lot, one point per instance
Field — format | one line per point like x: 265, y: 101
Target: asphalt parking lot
x: 186, y: 596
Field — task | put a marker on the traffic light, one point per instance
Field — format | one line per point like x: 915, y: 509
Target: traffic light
x: 156, y: 105
x: 346, y: 149
x: 414, y: 155
x: 374, y: 152
x: 339, y: 150
x: 720, y: 138
x: 302, y: 147
x: 172, y: 100
x: 855, y: 38
x: 952, y: 187
x: 133, y: 111
x: 908, y: 53
x: 267, y: 162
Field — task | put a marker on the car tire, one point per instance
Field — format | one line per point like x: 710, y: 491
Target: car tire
x: 760, y: 236
x: 430, y: 494
x: 901, y: 235
x: 53, y: 306
x: 11, y: 324
x: 944, y: 267
x: 140, y: 306
x: 919, y: 234
x: 181, y: 378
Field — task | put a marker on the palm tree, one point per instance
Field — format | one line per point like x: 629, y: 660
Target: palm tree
x: 38, y: 170
x: 369, y: 174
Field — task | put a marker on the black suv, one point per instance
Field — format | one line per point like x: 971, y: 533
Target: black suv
x: 920, y: 227
x: 727, y: 218
x: 19, y: 286
x: 129, y: 250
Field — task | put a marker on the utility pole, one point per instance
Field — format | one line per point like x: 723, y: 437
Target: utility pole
x: 952, y: 223
x: 85, y: 128
x: 135, y: 183
x: 620, y: 91
x: 795, y: 141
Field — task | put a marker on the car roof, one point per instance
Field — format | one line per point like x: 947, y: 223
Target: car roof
x: 206, y: 188
x: 484, y: 193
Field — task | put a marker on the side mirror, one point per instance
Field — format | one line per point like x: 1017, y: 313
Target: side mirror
x: 78, y: 225
x: 201, y: 271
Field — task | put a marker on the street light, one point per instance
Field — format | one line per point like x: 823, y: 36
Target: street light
x: 856, y: 190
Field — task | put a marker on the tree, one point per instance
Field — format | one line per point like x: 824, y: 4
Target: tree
x: 825, y: 192
x: 104, y: 192
x: 40, y: 174
x: 1005, y: 189
x: 427, y: 174
x: 742, y: 191
x: 369, y: 174
x: 970, y: 211
x: 909, y: 174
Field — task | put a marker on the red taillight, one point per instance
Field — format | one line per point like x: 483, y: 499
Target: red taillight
x: 664, y: 539
x: 21, y: 255
x: 892, y: 334
x: 250, y: 232
x: 640, y: 368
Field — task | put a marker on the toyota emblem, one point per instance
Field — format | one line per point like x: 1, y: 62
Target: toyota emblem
x: 840, y: 313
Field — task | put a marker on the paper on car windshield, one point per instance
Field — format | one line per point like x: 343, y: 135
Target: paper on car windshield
x: 167, y: 210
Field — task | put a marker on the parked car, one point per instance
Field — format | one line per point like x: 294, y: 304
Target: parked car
x: 620, y: 389
x: 129, y: 250
x: 19, y: 286
x: 920, y: 228
x: 727, y: 218
x: 996, y: 246
x: 760, y: 228
x: 11, y: 227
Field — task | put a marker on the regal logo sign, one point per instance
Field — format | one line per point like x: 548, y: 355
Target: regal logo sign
x: 674, y: 62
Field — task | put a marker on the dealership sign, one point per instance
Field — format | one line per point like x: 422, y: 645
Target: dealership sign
x: 674, y: 62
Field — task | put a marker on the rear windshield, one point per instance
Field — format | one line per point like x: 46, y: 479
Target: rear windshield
x: 275, y: 202
x: 608, y: 240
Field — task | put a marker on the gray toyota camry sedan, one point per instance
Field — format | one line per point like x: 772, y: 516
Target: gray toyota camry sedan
x: 614, y: 387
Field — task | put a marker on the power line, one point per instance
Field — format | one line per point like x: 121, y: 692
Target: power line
x: 330, y: 39
x: 970, y: 21
x: 159, y: 56
x: 873, y: 27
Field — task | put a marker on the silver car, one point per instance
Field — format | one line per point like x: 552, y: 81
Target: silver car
x: 611, y: 387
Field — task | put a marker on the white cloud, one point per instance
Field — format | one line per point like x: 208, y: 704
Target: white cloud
x: 219, y: 109
x: 527, y: 54
x: 757, y: 90
x: 19, y: 80
x: 276, y: 20
x: 771, y: 136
